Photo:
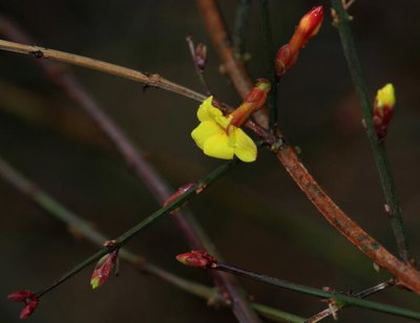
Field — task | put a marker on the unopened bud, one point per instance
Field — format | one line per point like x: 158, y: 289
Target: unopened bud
x: 201, y: 56
x: 103, y: 269
x: 197, y: 258
x: 253, y: 101
x: 258, y: 94
x: 383, y: 110
x: 308, y: 27
x: 30, y: 300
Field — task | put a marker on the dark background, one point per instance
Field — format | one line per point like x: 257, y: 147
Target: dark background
x: 256, y: 215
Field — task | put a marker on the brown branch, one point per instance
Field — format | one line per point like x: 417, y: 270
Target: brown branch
x: 153, y: 80
x: 217, y: 30
x: 406, y: 275
x: 159, y: 188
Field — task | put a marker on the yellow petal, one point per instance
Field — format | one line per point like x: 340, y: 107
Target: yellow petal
x: 386, y: 96
x: 218, y: 146
x: 244, y: 147
x: 208, y: 112
x: 204, y: 131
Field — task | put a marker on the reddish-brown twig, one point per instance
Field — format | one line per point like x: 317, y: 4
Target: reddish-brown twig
x: 405, y: 273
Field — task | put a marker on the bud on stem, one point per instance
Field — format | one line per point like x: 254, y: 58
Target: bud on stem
x: 383, y: 110
x: 308, y: 27
x: 254, y: 100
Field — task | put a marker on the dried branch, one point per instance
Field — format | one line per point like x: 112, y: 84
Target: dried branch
x: 392, y: 206
x: 152, y: 80
x: 405, y: 273
x: 160, y: 189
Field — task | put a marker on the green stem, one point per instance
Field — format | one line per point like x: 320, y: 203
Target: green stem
x: 239, y: 30
x: 269, y: 51
x: 378, y: 147
x: 128, y: 235
x: 337, y: 297
x: 85, y: 229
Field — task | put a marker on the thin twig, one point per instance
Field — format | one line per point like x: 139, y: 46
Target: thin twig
x: 269, y: 51
x: 337, y: 297
x: 160, y: 189
x: 392, y: 206
x: 152, y: 80
x: 81, y: 227
x: 243, y: 9
x: 335, y: 307
x: 405, y: 274
x: 199, y: 71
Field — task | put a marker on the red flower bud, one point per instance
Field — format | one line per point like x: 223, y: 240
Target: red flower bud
x: 103, y: 269
x: 308, y: 27
x: 197, y: 258
x: 253, y: 101
x: 29, y: 308
x: 30, y: 300
x: 20, y: 295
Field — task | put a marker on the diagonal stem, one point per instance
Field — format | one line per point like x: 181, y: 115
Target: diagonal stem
x: 378, y: 147
x: 83, y: 228
x: 337, y: 297
x: 195, y: 189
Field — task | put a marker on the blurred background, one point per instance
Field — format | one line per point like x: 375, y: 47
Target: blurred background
x: 256, y: 215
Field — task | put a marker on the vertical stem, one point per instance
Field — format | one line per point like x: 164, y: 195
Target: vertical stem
x: 269, y: 50
x: 240, y: 27
x: 378, y: 148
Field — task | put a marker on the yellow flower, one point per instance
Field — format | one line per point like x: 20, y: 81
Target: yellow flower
x: 218, y: 138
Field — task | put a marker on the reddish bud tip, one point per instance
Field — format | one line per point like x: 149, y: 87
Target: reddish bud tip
x: 308, y: 27
x: 103, y: 269
x: 30, y: 300
x: 197, y: 258
x: 201, y: 56
x: 311, y: 22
